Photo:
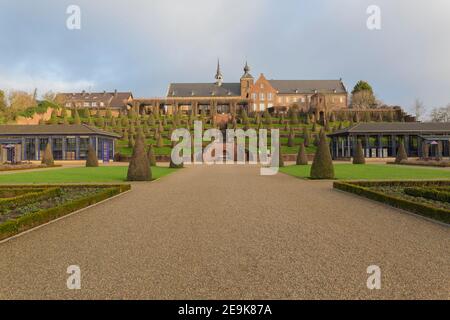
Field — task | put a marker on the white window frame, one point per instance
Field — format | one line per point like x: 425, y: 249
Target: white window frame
x: 86, y: 104
x: 262, y: 107
x: 262, y: 96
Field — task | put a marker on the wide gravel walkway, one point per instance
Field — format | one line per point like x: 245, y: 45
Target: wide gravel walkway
x: 226, y: 232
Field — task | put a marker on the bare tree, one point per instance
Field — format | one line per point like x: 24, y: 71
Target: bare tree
x: 441, y: 114
x: 49, y: 96
x: 419, y: 109
x: 20, y: 100
x: 363, y: 99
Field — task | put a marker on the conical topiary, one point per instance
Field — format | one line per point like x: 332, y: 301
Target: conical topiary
x: 47, y: 157
x: 76, y: 117
x: 151, y: 156
x: 291, y: 138
x: 358, y: 157
x: 322, y: 167
x: 280, y: 159
x: 401, y: 153
x: 139, y: 168
x: 302, y: 159
x: 92, y: 160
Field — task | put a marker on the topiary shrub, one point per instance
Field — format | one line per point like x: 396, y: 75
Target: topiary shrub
x: 302, y: 159
x: 359, y: 158
x: 92, y: 160
x: 280, y: 159
x: 47, y: 157
x: 151, y: 156
x: 291, y: 138
x: 139, y: 168
x: 401, y: 153
x: 322, y: 167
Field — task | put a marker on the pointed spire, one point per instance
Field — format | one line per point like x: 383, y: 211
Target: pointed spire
x: 219, y: 76
x: 247, y: 74
x: 246, y: 68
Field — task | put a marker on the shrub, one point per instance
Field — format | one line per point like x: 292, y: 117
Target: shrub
x: 401, y: 153
x: 291, y: 138
x: 139, y: 168
x: 429, y: 193
x: 76, y: 117
x: 302, y: 159
x: 91, y: 160
x: 359, y: 154
x: 47, y: 157
x: 322, y: 167
x: 151, y: 156
x: 280, y: 159
x: 306, y: 139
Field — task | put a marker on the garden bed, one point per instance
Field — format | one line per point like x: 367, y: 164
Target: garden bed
x: 25, y: 207
x: 426, y: 198
x: 424, y: 163
x: 24, y: 166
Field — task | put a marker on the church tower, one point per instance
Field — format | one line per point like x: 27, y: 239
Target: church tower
x: 219, y: 76
x: 247, y: 81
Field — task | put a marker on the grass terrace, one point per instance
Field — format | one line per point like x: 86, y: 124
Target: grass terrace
x: 78, y: 175
x: 373, y: 172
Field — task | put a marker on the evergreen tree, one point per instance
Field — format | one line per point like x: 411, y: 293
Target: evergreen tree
x: 322, y: 167
x: 151, y: 156
x: 359, y: 154
x: 306, y: 137
x: 291, y: 138
x: 401, y: 153
x: 139, y: 168
x: 76, y: 117
x: 302, y: 159
x: 92, y: 160
x: 47, y: 157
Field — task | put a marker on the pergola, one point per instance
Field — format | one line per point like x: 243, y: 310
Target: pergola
x: 210, y: 105
x: 381, y: 140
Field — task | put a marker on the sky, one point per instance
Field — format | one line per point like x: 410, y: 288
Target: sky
x: 143, y: 45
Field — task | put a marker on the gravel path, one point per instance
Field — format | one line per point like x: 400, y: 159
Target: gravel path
x: 226, y: 232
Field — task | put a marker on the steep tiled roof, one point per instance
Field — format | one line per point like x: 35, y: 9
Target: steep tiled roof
x: 204, y: 90
x: 111, y: 99
x: 308, y: 86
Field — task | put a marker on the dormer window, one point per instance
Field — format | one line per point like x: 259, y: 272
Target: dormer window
x: 192, y: 93
x: 296, y: 90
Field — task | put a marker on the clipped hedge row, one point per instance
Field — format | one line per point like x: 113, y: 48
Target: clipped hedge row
x: 17, y: 201
x: 28, y: 221
x: 428, y: 193
x: 361, y: 189
x: 9, y: 193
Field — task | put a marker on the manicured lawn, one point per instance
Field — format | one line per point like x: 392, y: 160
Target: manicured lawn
x: 77, y: 175
x: 373, y: 172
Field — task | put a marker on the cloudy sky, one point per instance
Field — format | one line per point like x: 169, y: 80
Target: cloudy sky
x: 142, y: 45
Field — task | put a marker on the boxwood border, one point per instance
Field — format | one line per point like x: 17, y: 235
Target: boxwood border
x: 29, y: 221
x: 361, y: 188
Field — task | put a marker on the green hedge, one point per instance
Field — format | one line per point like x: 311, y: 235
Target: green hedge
x: 17, y: 201
x: 429, y: 193
x: 361, y: 189
x: 28, y: 221
x: 10, y: 193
